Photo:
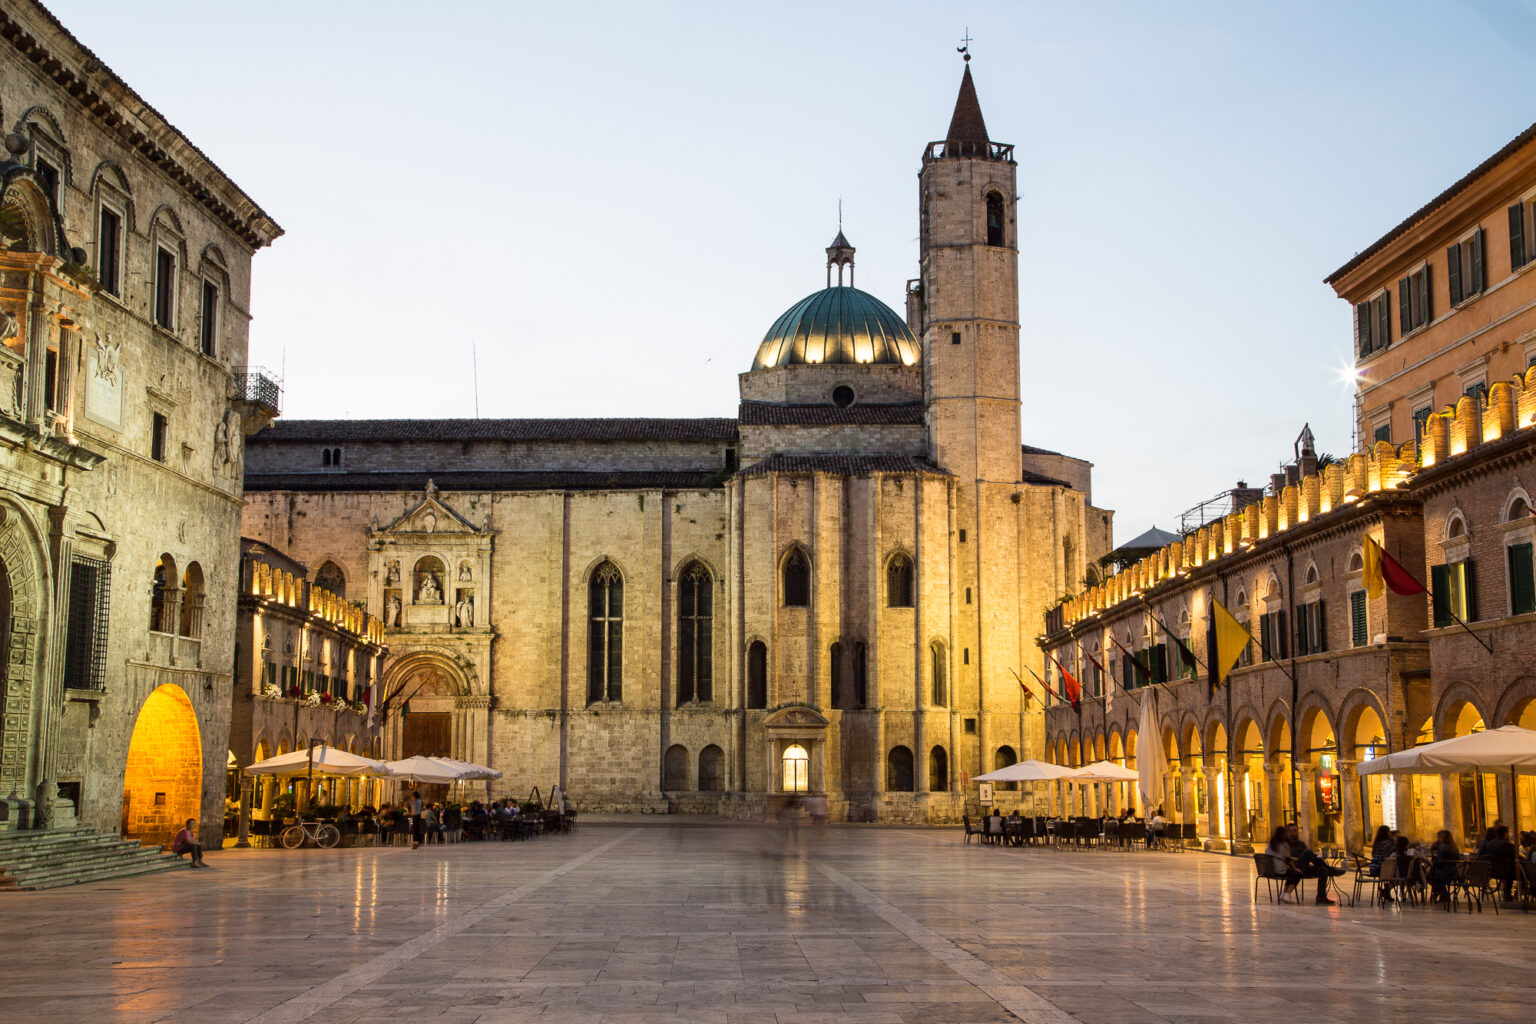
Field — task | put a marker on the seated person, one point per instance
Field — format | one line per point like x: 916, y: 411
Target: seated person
x: 186, y: 842
x: 1500, y: 853
x: 1382, y: 847
x: 1443, y: 856
x: 1157, y: 826
x: 1309, y: 864
x: 994, y: 827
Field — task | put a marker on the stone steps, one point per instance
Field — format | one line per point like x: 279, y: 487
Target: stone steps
x: 47, y: 859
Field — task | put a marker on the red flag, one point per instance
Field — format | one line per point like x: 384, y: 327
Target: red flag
x: 1382, y: 568
x: 1074, y: 692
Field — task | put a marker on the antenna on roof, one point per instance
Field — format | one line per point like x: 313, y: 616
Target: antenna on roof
x: 474, y: 372
x: 964, y: 49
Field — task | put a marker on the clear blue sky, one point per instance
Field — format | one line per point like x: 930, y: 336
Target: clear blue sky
x: 614, y: 201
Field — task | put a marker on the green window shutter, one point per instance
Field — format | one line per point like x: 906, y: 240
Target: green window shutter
x: 1282, y: 639
x: 1426, y: 305
x: 1358, y: 629
x: 1127, y: 672
x: 1320, y: 617
x: 1453, y: 271
x: 1522, y: 580
x: 1363, y: 329
x: 1383, y: 330
x: 1266, y: 652
x: 1440, y: 589
x: 1517, y: 236
x: 1477, y: 262
x: 1404, y: 305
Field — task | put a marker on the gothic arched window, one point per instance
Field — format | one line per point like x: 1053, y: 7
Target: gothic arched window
x: 797, y: 580
x: 757, y: 675
x: 162, y: 602
x: 192, y: 601
x: 330, y: 577
x: 835, y: 667
x: 695, y: 635
x: 605, y: 635
x: 898, y: 582
x: 940, y: 664
x: 996, y: 235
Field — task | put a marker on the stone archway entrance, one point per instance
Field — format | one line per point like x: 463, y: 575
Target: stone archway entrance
x: 163, y: 778
x: 432, y: 711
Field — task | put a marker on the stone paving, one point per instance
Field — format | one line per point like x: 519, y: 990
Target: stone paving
x: 651, y: 921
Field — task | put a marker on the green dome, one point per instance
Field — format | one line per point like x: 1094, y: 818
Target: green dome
x: 837, y: 325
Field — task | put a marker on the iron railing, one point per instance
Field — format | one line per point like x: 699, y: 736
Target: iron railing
x: 257, y: 385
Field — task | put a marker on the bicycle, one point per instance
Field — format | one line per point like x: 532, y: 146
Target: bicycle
x: 322, y: 835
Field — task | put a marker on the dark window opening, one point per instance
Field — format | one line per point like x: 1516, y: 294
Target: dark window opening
x: 797, y: 580
x: 898, y: 582
x: 995, y: 232
x: 969, y: 725
x: 940, y: 691
x: 165, y: 288
x: 967, y: 595
x: 49, y: 176
x: 695, y: 636
x: 157, y: 437
x: 605, y: 635
x: 732, y: 460
x: 840, y: 699
x: 210, y: 319
x: 966, y: 659
x: 842, y: 396
x: 938, y: 770
x: 85, y: 645
x: 757, y: 675
x: 108, y: 252
x: 51, y: 381
x: 962, y: 536
x: 954, y: 338
x: 898, y: 770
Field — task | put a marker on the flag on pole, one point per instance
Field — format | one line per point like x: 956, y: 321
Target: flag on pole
x: 1149, y: 754
x: 1232, y: 638
x: 1069, y: 683
x: 1108, y: 691
x: 1382, y: 570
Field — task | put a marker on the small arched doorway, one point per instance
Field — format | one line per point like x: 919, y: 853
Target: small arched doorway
x: 163, y: 777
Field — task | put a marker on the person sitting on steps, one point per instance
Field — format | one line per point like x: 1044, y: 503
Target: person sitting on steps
x: 186, y: 842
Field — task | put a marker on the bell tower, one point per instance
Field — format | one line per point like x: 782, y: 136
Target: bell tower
x: 969, y: 302
x: 970, y: 298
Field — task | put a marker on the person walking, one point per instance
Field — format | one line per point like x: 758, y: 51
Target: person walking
x: 417, y: 825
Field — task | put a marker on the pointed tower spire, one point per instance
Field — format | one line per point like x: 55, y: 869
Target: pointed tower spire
x: 967, y: 130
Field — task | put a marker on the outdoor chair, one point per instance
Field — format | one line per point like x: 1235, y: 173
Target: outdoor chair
x: 1264, y: 871
x: 971, y: 830
x: 261, y: 832
x: 1525, y: 877
x: 1473, y: 882
x: 1363, y: 880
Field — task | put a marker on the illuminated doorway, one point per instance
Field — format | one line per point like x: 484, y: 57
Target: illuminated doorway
x: 163, y: 779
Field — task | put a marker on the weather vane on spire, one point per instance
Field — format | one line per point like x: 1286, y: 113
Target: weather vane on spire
x: 964, y: 49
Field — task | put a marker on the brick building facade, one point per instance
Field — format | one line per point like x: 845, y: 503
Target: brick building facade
x: 834, y: 592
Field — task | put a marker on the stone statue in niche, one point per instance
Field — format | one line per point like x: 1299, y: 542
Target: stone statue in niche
x: 234, y: 435
x: 392, y: 573
x: 465, y: 574
x: 430, y: 592
x: 392, y: 611
x: 464, y: 611
x: 220, y: 446
x: 429, y: 522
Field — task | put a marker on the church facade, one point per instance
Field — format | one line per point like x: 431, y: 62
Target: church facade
x: 836, y: 592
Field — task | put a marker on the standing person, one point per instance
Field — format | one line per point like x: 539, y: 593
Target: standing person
x: 417, y: 825
x: 186, y: 842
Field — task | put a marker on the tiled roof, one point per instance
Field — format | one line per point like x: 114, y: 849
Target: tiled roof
x: 1030, y: 449
x: 771, y: 414
x: 550, y: 480
x: 967, y: 127
x: 1439, y: 200
x: 843, y: 465
x: 335, y: 431
x: 1042, y: 480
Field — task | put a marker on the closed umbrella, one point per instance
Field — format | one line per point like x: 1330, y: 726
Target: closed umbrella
x: 1149, y: 755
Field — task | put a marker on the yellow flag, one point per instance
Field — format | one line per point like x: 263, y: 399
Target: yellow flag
x: 1231, y: 638
x: 1371, y: 574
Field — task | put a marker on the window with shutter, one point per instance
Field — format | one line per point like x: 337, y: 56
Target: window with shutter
x: 1517, y: 236
x: 1321, y: 637
x: 1363, y: 324
x: 1440, y: 594
x: 1477, y: 261
x: 1383, y: 331
x: 1404, y: 305
x: 1465, y: 600
x: 1522, y: 580
x: 1359, y: 633
x: 1453, y: 271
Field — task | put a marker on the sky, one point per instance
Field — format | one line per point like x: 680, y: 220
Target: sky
x: 595, y: 209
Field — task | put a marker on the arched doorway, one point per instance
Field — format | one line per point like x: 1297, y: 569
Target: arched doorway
x: 163, y: 778
x: 1476, y: 793
x: 1218, y: 799
x: 1366, y: 736
x: 1250, y: 784
x: 1319, y: 751
x: 430, y: 712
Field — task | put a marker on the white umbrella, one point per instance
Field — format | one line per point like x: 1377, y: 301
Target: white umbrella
x: 1149, y: 755
x: 1103, y: 771
x: 423, y: 769
x: 467, y: 771
x: 1027, y: 771
x: 323, y: 759
x: 1509, y: 747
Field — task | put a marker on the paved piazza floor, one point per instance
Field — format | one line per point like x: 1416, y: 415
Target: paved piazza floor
x: 631, y: 922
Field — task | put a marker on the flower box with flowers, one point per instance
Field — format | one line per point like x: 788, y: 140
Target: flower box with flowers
x: 326, y: 700
x: 272, y: 691
x: 312, y: 700
x: 358, y: 707
x: 295, y: 693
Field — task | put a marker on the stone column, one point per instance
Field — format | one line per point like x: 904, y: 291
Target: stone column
x: 1242, y: 834
x: 1352, y: 821
x: 1306, y: 805
x: 1274, y: 776
x: 1214, y: 823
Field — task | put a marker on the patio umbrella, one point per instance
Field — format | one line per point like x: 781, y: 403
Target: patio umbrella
x: 1149, y: 755
x: 322, y: 759
x: 467, y: 771
x: 423, y: 769
x: 1103, y: 771
x: 1509, y: 748
x: 1027, y: 771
